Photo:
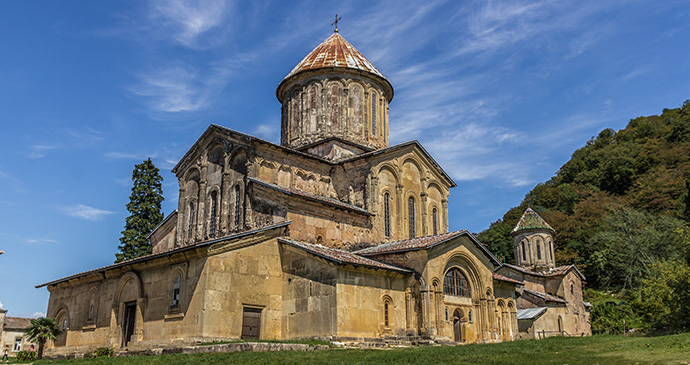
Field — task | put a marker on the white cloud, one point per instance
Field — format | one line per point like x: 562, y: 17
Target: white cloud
x: 127, y: 156
x: 1, y: 305
x: 39, y: 151
x: 267, y: 131
x: 41, y: 240
x: 180, y: 88
x: 86, y: 212
x: 187, y: 21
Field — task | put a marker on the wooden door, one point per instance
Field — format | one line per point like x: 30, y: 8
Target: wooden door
x: 457, y: 326
x: 251, y: 323
x: 128, y: 322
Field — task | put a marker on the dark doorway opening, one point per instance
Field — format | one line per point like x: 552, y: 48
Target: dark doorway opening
x: 251, y: 323
x: 128, y: 322
x: 457, y: 326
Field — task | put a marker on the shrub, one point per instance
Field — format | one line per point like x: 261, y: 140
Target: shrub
x: 103, y: 352
x: 26, y: 356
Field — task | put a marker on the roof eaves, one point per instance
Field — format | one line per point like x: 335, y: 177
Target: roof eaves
x: 166, y: 253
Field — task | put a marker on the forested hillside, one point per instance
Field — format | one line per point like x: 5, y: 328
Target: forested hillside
x: 620, y: 206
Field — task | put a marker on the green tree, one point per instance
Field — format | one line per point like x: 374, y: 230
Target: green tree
x: 499, y: 241
x: 42, y: 330
x: 145, y: 211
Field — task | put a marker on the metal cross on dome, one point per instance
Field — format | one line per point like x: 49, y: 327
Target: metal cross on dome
x: 336, y: 22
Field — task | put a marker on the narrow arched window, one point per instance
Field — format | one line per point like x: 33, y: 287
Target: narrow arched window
x: 523, y: 251
x: 385, y: 313
x: 469, y: 315
x: 212, y: 218
x: 91, y: 310
x: 373, y: 113
x: 538, y: 251
x: 410, y: 211
x: 237, y: 206
x: 190, y: 220
x: 551, y: 250
x: 446, y: 314
x: 455, y: 283
x: 572, y: 289
x: 387, y: 214
x: 499, y: 324
x: 434, y: 220
x: 176, y: 292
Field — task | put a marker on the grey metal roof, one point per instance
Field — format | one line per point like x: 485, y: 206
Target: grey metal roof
x: 530, y: 313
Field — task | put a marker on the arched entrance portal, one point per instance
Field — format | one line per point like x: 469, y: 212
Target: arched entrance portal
x: 457, y: 325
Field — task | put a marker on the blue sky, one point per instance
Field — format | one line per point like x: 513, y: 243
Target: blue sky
x: 500, y: 92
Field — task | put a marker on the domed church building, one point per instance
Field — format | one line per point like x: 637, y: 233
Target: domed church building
x: 333, y: 233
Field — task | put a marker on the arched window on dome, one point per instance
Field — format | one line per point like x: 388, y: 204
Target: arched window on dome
x: 387, y: 215
x: 455, y: 283
x: 522, y: 244
x: 539, y: 250
x: 374, y: 99
x: 411, y: 213
x: 335, y: 107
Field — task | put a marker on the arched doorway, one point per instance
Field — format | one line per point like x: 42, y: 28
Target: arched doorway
x: 457, y: 325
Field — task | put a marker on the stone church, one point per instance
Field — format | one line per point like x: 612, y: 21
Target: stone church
x: 332, y: 234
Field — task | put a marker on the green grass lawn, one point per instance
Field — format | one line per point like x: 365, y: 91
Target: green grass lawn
x: 673, y: 349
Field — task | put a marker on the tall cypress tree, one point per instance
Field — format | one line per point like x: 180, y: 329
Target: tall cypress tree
x: 145, y: 211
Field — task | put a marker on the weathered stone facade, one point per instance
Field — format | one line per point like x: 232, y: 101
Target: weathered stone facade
x: 331, y: 234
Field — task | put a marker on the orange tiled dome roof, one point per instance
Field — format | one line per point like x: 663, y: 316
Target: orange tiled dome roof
x: 335, y: 51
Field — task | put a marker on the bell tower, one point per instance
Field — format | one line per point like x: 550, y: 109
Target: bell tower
x: 335, y: 102
x: 533, y: 242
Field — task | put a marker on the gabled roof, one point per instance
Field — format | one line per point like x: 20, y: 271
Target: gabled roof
x: 507, y: 279
x: 530, y: 313
x: 531, y: 220
x: 17, y: 323
x: 544, y: 296
x: 340, y: 256
x: 317, y: 198
x: 167, y: 253
x: 423, y: 243
x: 557, y: 271
x: 414, y: 144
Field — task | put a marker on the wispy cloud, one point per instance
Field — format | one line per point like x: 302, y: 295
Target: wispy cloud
x: 268, y: 131
x: 86, y: 212
x: 188, y: 21
x: 1, y: 305
x: 127, y: 156
x: 41, y: 241
x: 40, y: 150
x: 180, y: 88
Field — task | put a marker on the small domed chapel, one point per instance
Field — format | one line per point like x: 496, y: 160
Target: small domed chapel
x: 332, y: 233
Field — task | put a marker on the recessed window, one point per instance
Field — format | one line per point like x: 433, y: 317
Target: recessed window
x: 190, y: 220
x: 524, y: 257
x: 410, y: 211
x: 373, y: 113
x: 538, y: 251
x: 91, y: 310
x: 212, y: 217
x: 387, y: 214
x: 455, y: 283
x: 434, y: 220
x: 469, y: 315
x: 176, y: 292
x: 17, y: 344
x: 237, y: 206
x: 385, y: 313
x: 446, y: 314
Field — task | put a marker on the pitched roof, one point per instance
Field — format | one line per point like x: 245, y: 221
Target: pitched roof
x: 340, y: 256
x: 166, y: 253
x: 556, y: 271
x: 531, y: 220
x: 335, y: 51
x: 17, y: 322
x: 422, y: 243
x: 507, y: 279
x: 530, y: 313
x: 544, y: 296
x: 321, y: 199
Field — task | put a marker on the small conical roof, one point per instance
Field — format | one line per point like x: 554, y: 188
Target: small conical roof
x: 335, y: 51
x: 531, y: 220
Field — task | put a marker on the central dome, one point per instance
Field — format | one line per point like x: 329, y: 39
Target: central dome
x: 335, y: 102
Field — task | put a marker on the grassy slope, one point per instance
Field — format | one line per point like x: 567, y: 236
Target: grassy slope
x: 673, y: 349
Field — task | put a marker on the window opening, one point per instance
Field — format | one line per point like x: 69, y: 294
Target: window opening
x: 538, y: 251
x: 410, y: 210
x: 237, y: 206
x: 385, y: 313
x: 17, y: 344
x: 455, y: 283
x: 446, y: 314
x: 212, y: 221
x: 387, y: 214
x: 91, y: 310
x: 190, y: 220
x: 469, y: 315
x: 373, y: 113
x: 523, y: 251
x: 434, y: 220
x: 499, y: 324
x: 176, y: 292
